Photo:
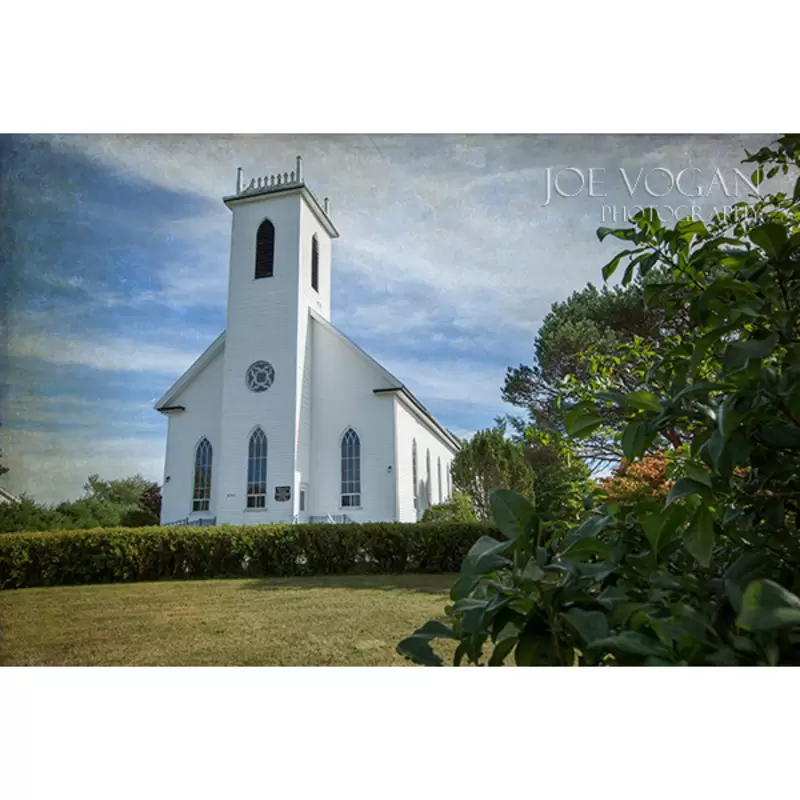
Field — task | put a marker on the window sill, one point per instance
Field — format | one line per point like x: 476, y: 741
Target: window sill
x: 256, y: 510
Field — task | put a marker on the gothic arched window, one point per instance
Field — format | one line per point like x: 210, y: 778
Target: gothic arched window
x: 414, y: 472
x: 257, y: 470
x: 314, y: 263
x: 351, y: 469
x: 201, y: 494
x: 265, y: 249
x: 428, y: 492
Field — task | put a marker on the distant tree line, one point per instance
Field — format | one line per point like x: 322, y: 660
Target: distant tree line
x: 128, y: 502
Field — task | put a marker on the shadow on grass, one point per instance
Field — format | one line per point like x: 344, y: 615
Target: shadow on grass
x: 426, y: 584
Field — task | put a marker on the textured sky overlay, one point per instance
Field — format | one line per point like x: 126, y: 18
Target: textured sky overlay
x: 115, y: 259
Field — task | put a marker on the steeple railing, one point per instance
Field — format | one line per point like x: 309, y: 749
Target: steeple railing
x: 271, y: 183
x: 278, y: 180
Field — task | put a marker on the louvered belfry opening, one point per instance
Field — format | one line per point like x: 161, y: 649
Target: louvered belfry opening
x: 265, y: 249
x: 315, y: 264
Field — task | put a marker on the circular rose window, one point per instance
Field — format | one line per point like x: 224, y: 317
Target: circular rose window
x: 260, y: 375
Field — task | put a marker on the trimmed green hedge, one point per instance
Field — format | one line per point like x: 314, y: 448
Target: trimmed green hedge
x: 149, y: 554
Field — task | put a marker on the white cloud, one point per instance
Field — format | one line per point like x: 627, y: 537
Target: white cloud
x: 109, y: 353
x: 52, y: 466
x: 456, y: 380
x: 200, y: 279
x: 464, y: 433
x: 23, y: 408
x: 203, y: 283
x: 458, y: 218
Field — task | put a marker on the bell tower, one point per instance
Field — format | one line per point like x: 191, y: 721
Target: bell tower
x: 280, y: 271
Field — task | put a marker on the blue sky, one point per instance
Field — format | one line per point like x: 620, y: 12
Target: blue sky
x: 117, y: 251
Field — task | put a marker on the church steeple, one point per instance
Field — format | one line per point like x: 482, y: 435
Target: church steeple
x: 277, y: 218
x: 280, y: 270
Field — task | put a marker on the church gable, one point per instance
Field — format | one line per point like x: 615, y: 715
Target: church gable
x: 384, y: 383
x: 383, y: 378
x: 171, y: 400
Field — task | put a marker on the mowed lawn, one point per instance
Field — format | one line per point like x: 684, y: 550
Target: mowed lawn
x: 331, y: 620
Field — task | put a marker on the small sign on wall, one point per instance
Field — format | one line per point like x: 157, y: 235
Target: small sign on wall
x: 283, y: 493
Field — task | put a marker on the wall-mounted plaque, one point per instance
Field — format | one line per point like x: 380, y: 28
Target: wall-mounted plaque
x: 283, y: 493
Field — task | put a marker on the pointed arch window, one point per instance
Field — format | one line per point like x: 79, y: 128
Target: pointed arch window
x: 428, y: 491
x: 257, y: 470
x: 351, y: 469
x: 265, y: 249
x: 315, y: 263
x: 439, y: 473
x: 414, y: 472
x: 201, y: 494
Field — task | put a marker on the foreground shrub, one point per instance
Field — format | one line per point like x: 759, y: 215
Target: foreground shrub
x: 610, y: 592
x: 710, y: 573
x: 149, y: 554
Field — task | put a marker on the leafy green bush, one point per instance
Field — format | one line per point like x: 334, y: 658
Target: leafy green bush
x: 607, y: 593
x: 457, y: 509
x: 126, y: 502
x: 147, y: 554
x: 487, y: 461
x: 560, y: 477
x: 26, y: 515
x: 83, y: 514
x: 709, y: 574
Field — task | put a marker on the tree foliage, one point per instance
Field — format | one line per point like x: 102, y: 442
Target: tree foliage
x: 26, y: 515
x: 150, y: 502
x: 635, y: 480
x: 560, y: 476
x: 586, y: 325
x: 458, y: 508
x: 709, y: 574
x: 489, y: 461
x: 128, y: 502
x: 121, y: 491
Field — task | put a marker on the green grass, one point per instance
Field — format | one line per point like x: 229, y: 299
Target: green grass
x: 331, y: 620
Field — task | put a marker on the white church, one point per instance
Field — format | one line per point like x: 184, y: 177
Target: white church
x: 283, y: 418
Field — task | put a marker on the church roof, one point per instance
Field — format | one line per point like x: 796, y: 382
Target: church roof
x: 206, y: 357
x: 324, y: 323
x: 396, y: 387
x: 7, y: 497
